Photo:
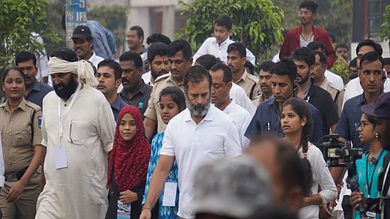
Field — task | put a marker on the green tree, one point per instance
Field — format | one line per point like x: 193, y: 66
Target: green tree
x: 18, y: 20
x: 385, y: 33
x: 256, y: 23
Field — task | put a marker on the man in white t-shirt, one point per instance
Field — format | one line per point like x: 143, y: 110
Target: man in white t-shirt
x: 220, y: 97
x: 198, y: 135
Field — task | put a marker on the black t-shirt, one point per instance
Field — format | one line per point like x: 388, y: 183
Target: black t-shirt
x: 322, y: 100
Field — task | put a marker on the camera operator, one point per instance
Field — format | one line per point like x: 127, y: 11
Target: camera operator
x: 365, y: 201
x: 381, y: 110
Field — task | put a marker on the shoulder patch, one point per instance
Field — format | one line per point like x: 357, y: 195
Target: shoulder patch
x: 253, y: 78
x: 162, y: 77
x: 33, y: 105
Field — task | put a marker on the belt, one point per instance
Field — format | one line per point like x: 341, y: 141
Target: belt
x: 15, y: 176
x: 11, y: 177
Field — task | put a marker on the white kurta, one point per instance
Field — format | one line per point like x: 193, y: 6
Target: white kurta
x: 79, y: 190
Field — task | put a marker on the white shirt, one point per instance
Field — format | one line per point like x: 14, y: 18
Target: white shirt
x: 211, y: 46
x: 241, y: 118
x: 147, y: 78
x: 334, y: 78
x: 239, y: 96
x: 95, y: 59
x: 321, y: 177
x: 353, y: 88
x: 79, y: 190
x: 193, y: 145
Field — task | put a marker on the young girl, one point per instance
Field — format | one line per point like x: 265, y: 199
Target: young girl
x: 172, y: 102
x: 368, y: 169
x: 128, y: 163
x: 296, y: 123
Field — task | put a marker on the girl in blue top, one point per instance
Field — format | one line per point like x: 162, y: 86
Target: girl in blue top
x: 172, y: 102
x: 368, y: 168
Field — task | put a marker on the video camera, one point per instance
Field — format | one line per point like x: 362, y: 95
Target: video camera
x: 338, y: 153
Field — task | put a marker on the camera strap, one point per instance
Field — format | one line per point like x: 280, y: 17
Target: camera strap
x: 369, y: 181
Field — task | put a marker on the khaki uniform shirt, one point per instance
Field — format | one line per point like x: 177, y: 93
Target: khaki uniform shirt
x: 336, y: 92
x: 20, y: 132
x: 153, y: 110
x: 250, y: 85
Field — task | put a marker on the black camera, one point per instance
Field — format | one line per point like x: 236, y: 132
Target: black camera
x: 338, y: 153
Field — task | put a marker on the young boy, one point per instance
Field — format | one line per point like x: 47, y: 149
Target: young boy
x: 217, y: 45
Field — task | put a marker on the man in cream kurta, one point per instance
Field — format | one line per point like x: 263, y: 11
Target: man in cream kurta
x: 78, y: 134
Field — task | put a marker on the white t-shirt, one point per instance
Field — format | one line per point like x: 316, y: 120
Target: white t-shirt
x: 210, y: 46
x: 239, y: 96
x: 334, y: 79
x: 241, y: 118
x: 193, y: 145
x: 353, y: 88
x: 147, y: 78
x: 321, y: 177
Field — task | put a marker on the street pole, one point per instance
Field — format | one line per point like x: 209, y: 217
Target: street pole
x: 75, y: 14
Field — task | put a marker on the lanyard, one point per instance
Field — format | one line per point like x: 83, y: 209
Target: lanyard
x: 61, y: 115
x: 369, y: 182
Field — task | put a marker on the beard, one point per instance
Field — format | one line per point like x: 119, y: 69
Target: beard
x: 303, y: 79
x: 65, y: 91
x: 199, y: 110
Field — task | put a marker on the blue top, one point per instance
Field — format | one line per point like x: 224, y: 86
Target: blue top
x: 164, y: 211
x: 370, y: 181
x: 117, y: 107
x: 103, y: 40
x: 267, y: 120
x: 350, y: 120
x: 38, y: 92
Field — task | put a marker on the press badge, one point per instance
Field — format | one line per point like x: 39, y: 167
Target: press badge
x: 60, y: 157
x: 370, y: 214
x: 170, y: 190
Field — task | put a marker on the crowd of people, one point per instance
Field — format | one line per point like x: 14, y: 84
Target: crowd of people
x: 168, y: 133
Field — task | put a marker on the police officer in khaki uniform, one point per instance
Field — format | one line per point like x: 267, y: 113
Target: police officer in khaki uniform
x: 22, y: 151
x: 320, y: 80
x: 180, y: 59
x: 236, y: 60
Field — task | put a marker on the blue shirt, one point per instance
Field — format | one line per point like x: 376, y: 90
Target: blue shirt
x: 38, y: 92
x: 350, y: 120
x: 117, y: 107
x: 267, y: 120
x: 165, y: 212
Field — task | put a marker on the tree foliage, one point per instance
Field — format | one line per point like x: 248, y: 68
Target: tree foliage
x: 18, y: 21
x: 256, y: 23
x: 385, y: 33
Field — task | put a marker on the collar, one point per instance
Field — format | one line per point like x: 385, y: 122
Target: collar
x: 244, y: 76
x: 22, y: 105
x: 170, y: 80
x: 227, y: 41
x: 36, y: 86
x: 117, y: 103
x: 93, y: 56
x: 209, y: 116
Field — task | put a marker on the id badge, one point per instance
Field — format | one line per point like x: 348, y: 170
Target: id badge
x: 60, y: 157
x: 170, y: 190
x: 123, y: 210
x: 370, y: 214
